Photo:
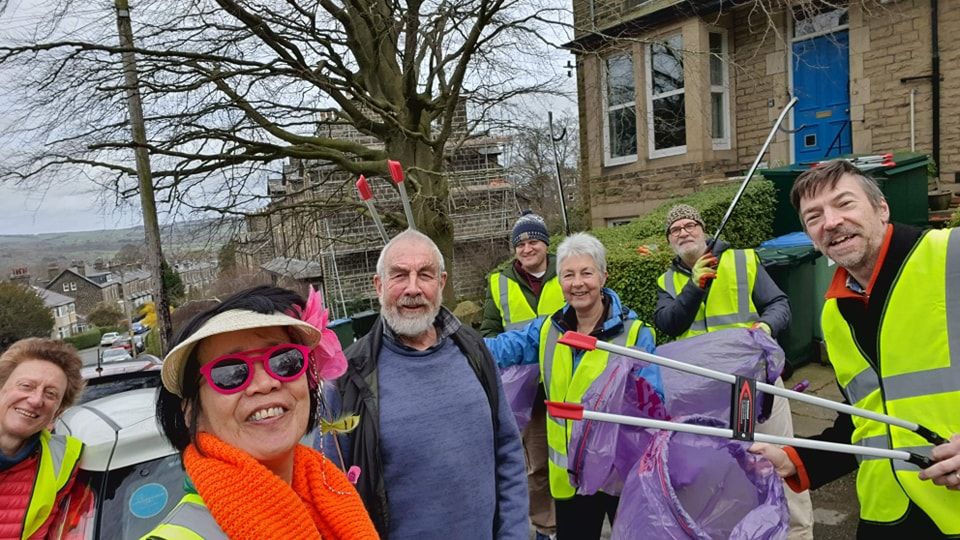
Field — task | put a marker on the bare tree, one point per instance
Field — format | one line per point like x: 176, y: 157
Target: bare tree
x: 532, y: 167
x: 231, y: 87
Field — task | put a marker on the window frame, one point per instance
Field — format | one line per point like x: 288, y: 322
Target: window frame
x: 653, y: 152
x: 608, y: 160
x: 721, y: 143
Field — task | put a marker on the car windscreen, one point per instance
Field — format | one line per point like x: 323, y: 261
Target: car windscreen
x: 114, y: 384
x: 131, y: 501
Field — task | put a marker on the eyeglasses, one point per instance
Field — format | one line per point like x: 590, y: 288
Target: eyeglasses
x: 232, y: 373
x: 689, y: 227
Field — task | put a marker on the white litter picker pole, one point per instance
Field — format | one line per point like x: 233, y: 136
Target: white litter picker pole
x: 576, y: 412
x: 589, y: 343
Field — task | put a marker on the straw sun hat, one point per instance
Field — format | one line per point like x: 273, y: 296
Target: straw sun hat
x: 229, y: 321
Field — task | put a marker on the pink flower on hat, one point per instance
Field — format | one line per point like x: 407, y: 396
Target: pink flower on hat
x: 327, y: 355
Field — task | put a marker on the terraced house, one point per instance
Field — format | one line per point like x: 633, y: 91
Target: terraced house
x: 674, y: 94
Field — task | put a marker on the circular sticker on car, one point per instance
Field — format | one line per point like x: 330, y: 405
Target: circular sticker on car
x: 148, y: 500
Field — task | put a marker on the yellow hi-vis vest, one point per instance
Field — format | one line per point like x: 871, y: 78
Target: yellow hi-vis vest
x: 515, y: 311
x: 563, y: 384
x: 918, y: 346
x: 729, y: 302
x: 189, y: 520
x: 59, y: 455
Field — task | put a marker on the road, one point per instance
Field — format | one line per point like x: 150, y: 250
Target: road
x: 89, y: 356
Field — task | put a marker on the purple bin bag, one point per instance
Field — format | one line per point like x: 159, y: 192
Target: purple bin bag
x: 520, y: 386
x: 698, y: 487
x: 601, y: 454
x: 739, y: 351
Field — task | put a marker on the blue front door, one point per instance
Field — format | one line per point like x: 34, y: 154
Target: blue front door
x: 821, y: 80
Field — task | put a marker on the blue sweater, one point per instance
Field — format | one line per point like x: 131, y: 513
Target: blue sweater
x: 445, y: 470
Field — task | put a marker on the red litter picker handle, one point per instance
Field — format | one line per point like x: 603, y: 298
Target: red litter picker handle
x: 366, y: 195
x: 396, y: 173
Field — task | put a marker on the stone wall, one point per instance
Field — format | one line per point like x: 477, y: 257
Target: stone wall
x: 86, y: 294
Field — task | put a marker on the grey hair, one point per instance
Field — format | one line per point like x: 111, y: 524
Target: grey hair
x: 409, y: 234
x: 583, y: 244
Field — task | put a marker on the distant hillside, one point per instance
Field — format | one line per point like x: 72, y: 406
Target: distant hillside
x: 36, y: 251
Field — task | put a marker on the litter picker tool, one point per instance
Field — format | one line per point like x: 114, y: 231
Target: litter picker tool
x: 744, y: 390
x: 366, y: 195
x: 396, y: 173
x: 575, y: 411
x: 752, y: 170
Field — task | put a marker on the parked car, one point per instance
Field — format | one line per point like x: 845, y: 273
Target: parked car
x: 109, y: 338
x: 115, y: 355
x: 115, y: 377
x: 139, y: 328
x: 130, y: 477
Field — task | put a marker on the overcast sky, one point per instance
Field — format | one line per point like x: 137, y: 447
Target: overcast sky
x: 76, y: 204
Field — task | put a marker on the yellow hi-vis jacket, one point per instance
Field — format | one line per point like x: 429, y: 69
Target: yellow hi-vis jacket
x: 189, y: 520
x: 918, y: 348
x: 564, y: 384
x: 514, y: 309
x: 59, y: 455
x: 729, y: 302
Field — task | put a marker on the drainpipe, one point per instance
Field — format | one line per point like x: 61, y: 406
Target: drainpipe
x: 935, y: 79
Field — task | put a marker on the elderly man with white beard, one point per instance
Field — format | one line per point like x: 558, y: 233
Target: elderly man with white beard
x: 437, y: 446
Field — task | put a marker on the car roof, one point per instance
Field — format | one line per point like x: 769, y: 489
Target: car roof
x: 126, y: 421
x: 143, y: 363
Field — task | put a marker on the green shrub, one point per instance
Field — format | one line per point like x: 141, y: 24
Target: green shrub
x: 955, y: 220
x: 151, y: 344
x: 90, y: 338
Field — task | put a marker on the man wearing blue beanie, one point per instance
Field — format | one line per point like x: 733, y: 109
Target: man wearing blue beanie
x: 526, y: 289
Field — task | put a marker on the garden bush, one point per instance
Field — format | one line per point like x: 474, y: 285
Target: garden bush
x: 955, y: 220
x: 90, y: 338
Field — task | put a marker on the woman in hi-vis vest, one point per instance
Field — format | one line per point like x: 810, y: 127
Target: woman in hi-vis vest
x: 568, y: 373
x: 39, y: 379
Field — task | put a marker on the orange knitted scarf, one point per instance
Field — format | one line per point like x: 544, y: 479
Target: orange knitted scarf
x: 249, y: 502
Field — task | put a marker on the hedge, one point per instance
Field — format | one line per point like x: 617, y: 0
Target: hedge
x: 90, y: 338
x: 955, y: 220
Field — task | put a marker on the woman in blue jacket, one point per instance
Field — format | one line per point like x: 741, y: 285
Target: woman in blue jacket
x: 567, y: 373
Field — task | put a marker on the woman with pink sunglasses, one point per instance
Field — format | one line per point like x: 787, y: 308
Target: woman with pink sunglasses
x: 239, y: 392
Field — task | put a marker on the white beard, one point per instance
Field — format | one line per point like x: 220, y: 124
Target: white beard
x: 405, y: 325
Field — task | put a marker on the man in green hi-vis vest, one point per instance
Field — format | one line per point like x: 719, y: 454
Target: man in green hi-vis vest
x: 709, y: 290
x: 891, y: 323
x: 525, y: 290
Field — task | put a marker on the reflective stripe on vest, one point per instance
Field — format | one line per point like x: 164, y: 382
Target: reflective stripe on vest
x: 189, y: 520
x: 59, y: 455
x: 729, y: 303
x: 563, y: 384
x: 918, y: 345
x: 515, y: 311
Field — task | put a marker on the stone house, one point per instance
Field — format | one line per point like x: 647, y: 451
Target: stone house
x: 88, y: 292
x: 675, y: 94
x: 64, y: 312
x: 196, y: 276
x: 128, y: 289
